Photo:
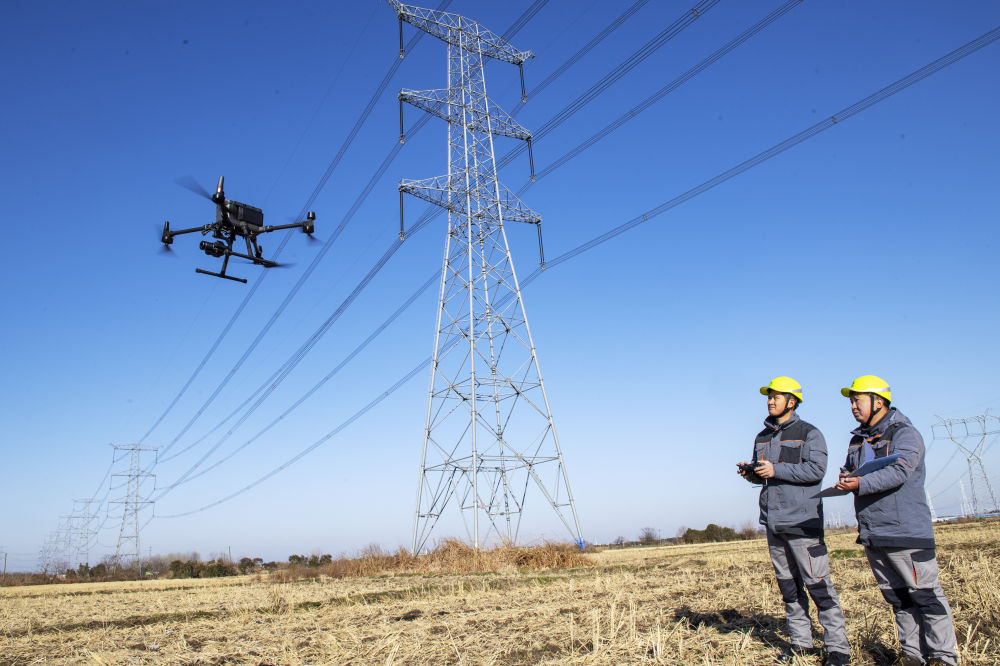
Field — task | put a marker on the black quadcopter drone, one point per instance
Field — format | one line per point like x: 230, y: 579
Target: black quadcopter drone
x: 234, y: 220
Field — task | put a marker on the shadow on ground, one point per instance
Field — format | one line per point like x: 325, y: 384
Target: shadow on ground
x: 766, y: 628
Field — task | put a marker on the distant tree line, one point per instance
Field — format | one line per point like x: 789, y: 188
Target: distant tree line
x: 311, y: 561
x: 714, y: 533
x: 650, y: 536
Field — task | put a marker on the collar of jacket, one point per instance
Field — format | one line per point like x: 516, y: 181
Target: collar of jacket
x: 771, y: 424
x: 880, y: 427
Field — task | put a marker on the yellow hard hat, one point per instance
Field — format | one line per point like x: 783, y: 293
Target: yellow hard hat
x: 784, y: 385
x: 868, y: 384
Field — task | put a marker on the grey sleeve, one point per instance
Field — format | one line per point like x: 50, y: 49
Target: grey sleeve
x: 813, y: 465
x: 908, y: 443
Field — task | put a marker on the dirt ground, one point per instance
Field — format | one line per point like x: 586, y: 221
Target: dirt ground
x: 706, y: 604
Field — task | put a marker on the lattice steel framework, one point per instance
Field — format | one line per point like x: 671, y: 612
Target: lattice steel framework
x: 489, y: 435
x: 132, y: 503
x: 960, y: 432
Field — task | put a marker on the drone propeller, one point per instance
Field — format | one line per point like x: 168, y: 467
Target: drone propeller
x: 270, y: 264
x: 165, y: 249
x: 189, y: 183
x: 310, y: 236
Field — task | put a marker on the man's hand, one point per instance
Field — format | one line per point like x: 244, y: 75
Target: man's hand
x: 764, y: 469
x: 848, y: 483
x: 741, y: 468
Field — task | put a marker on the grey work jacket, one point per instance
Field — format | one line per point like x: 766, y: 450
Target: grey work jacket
x: 798, y: 451
x: 890, y: 503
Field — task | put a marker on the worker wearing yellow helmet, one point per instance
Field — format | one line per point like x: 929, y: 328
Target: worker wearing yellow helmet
x: 789, y: 463
x: 885, y: 471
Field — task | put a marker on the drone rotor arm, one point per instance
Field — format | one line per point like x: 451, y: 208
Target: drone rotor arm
x: 170, y: 233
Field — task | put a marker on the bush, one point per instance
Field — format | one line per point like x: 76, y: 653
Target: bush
x: 711, y: 533
x: 195, y: 569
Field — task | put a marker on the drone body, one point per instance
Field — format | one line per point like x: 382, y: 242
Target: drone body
x: 233, y: 220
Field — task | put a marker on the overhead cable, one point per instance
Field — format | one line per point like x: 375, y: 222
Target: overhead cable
x: 519, y: 23
x: 664, y: 91
x: 523, y: 19
x: 364, y: 410
x: 340, y: 366
x: 303, y: 350
x: 584, y: 50
x: 284, y: 241
x: 623, y: 68
x: 849, y: 111
x: 777, y: 149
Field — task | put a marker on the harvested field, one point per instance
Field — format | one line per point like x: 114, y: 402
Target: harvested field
x: 704, y: 604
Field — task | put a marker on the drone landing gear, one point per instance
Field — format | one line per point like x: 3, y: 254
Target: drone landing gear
x: 221, y: 275
x: 225, y: 250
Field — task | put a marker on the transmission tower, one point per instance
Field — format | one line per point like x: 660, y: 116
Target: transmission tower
x: 489, y: 437
x: 82, y: 529
x: 132, y: 503
x: 966, y: 506
x: 930, y: 505
x: 977, y: 429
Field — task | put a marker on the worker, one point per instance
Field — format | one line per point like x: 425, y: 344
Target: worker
x: 789, y: 461
x: 894, y: 522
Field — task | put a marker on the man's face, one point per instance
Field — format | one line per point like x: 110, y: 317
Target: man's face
x: 776, y: 402
x: 861, y: 406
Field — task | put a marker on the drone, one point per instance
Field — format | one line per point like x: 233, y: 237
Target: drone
x: 234, y: 220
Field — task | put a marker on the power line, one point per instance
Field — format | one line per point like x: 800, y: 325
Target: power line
x: 304, y: 349
x: 340, y: 366
x: 584, y: 50
x: 524, y: 18
x: 665, y: 90
x: 849, y: 111
x: 519, y: 23
x: 364, y: 410
x: 623, y: 68
x: 256, y: 285
x: 839, y: 117
x: 761, y: 157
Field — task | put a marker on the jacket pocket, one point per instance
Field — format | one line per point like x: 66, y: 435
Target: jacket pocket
x: 790, y: 454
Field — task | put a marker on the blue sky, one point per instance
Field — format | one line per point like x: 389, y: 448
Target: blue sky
x: 867, y: 249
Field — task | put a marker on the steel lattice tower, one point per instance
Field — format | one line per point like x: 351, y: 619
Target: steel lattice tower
x: 133, y: 502
x: 489, y: 436
x: 961, y: 430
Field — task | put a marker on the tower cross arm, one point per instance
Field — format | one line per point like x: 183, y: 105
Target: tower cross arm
x: 441, y: 104
x: 460, y: 31
x: 451, y: 194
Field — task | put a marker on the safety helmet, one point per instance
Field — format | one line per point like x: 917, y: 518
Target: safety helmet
x: 869, y: 384
x: 784, y: 385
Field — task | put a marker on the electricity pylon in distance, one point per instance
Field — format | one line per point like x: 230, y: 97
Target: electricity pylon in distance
x: 970, y: 435
x: 489, y: 437
x: 132, y: 503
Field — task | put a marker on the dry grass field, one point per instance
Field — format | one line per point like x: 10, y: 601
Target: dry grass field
x: 705, y: 604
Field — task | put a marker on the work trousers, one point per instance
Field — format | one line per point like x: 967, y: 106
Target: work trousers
x: 908, y: 579
x: 801, y: 564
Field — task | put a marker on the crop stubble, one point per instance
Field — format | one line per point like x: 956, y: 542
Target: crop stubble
x: 705, y: 604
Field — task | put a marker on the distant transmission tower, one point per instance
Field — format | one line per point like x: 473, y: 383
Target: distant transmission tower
x: 966, y: 506
x: 132, y: 504
x: 930, y: 505
x: 489, y: 436
x: 82, y: 526
x: 960, y: 431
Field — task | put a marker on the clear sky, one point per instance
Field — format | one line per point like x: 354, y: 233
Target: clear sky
x: 870, y: 248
